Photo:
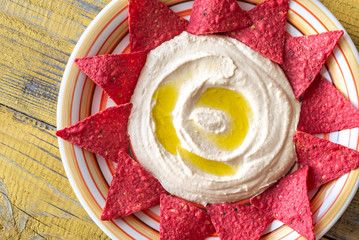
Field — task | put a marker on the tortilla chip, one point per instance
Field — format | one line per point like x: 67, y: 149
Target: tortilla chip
x: 182, y: 220
x: 104, y: 133
x: 213, y: 16
x: 327, y: 160
x: 242, y: 221
x: 266, y: 35
x: 151, y: 23
x: 116, y: 74
x: 324, y: 109
x: 132, y: 189
x: 288, y: 202
x: 304, y: 57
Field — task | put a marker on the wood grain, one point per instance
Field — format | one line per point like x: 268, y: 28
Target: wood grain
x: 347, y: 12
x: 36, y: 40
x: 36, y: 196
x: 347, y: 226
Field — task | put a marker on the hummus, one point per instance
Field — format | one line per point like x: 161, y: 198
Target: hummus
x: 212, y: 119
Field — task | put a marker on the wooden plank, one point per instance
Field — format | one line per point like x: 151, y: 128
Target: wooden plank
x: 36, y: 197
x: 347, y: 226
x: 347, y: 12
x: 36, y: 40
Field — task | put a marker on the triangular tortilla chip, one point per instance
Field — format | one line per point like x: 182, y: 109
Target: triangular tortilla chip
x: 288, y: 202
x: 116, y: 74
x: 182, y: 220
x: 213, y: 16
x: 242, y: 221
x: 266, y: 35
x: 304, y: 57
x: 152, y: 23
x: 132, y: 189
x: 324, y: 109
x: 327, y: 160
x: 104, y: 133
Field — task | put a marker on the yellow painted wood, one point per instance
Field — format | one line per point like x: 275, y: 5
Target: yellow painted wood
x: 348, y: 225
x: 36, y: 197
x: 36, y: 40
x: 347, y: 12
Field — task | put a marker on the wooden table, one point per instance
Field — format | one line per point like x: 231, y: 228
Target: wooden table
x: 36, y: 40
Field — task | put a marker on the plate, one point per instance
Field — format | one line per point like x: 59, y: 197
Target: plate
x: 90, y: 175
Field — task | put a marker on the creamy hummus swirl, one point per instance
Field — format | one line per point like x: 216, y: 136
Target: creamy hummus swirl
x: 192, y: 163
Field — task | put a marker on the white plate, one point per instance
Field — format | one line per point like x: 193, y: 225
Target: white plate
x: 91, y: 175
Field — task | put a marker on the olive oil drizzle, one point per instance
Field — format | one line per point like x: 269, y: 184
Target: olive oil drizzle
x: 229, y: 101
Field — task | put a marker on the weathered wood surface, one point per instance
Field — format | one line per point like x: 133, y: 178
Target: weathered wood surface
x: 36, y: 199
x: 36, y: 40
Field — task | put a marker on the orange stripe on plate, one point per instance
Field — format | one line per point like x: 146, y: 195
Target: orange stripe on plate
x: 184, y: 13
x: 112, y: 45
x: 127, y: 49
x: 111, y: 166
x: 304, y: 20
x: 351, y: 71
x: 312, y: 14
x: 121, y: 229
x: 83, y: 179
x: 341, y: 71
x: 152, y: 215
x: 334, y: 202
x: 287, y: 233
x: 130, y: 221
x: 325, y: 198
x: 104, y: 99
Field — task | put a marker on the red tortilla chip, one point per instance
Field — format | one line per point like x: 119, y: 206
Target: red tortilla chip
x: 241, y: 221
x: 116, y: 74
x: 304, y: 57
x: 324, y: 109
x: 327, y: 160
x: 213, y: 16
x: 151, y: 23
x: 132, y: 190
x: 104, y: 133
x: 288, y: 202
x: 266, y: 35
x: 182, y: 220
